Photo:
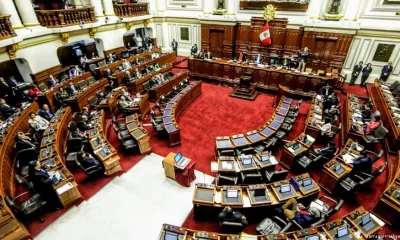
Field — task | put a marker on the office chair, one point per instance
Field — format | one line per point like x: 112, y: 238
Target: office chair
x: 361, y: 179
x: 271, y: 143
x: 251, y: 177
x: 93, y: 102
x: 101, y: 63
x: 23, y: 182
x: 74, y: 146
x: 286, y: 127
x: 118, y: 124
x: 226, y: 179
x: 375, y: 156
x: 29, y: 210
x: 259, y: 148
x: 280, y: 134
x: 292, y: 114
x: 91, y: 80
x: 289, y: 120
x: 129, y: 145
x: 273, y: 226
x: 226, y: 152
x: 92, y: 67
x: 43, y: 87
x: 393, y: 85
x: 156, y: 119
x: 303, y: 164
x: 158, y: 127
x: 59, y: 103
x: 276, y: 175
x: 91, y: 172
x: 82, y: 84
x: 23, y: 158
x: 331, y: 136
x: 231, y: 226
x: 124, y: 135
x: 378, y: 135
x: 76, y: 116
x: 296, y: 107
x: 125, y: 54
x: 319, y: 159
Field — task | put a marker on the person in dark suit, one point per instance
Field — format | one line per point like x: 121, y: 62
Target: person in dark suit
x: 126, y: 95
x: 84, y: 124
x: 107, y: 73
x: 75, y: 71
x: 71, y: 89
x: 62, y: 94
x: 208, y: 55
x: 174, y: 46
x: 46, y: 113
x: 110, y: 58
x: 43, y: 184
x: 85, y: 111
x: 386, y: 70
x: 366, y: 113
x: 303, y: 59
x: 23, y: 142
x: 52, y: 82
x: 5, y: 89
x: 5, y: 109
x: 194, y: 49
x: 334, y: 99
x: 332, y: 112
x: 259, y: 59
x: 326, y: 90
x: 227, y: 214
x: 87, y: 161
x: 12, y: 82
x: 356, y: 71
x: 362, y: 164
x: 327, y: 152
x: 365, y: 74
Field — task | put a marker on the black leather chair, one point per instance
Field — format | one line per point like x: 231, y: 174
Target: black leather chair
x: 227, y: 152
x: 245, y: 151
x: 251, y: 177
x: 91, y: 172
x: 292, y: 114
x: 158, y: 119
x: 319, y: 159
x: 289, y: 120
x: 74, y: 145
x: 276, y: 175
x: 329, y: 137
x: 286, y: 127
x: 259, y: 148
x: 231, y: 227
x: 29, y: 210
x: 280, y: 135
x: 361, y: 179
x: 91, y: 80
x: 118, y: 124
x: 296, y: 106
x: 25, y: 183
x: 375, y: 156
x: 158, y: 127
x: 130, y: 145
x: 124, y: 135
x: 93, y: 102
x: 23, y: 158
x: 273, y: 226
x: 393, y: 85
x: 225, y: 179
x: 304, y: 163
x: 378, y: 135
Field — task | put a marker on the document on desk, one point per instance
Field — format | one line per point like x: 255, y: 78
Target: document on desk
x: 377, y: 220
x: 291, y: 150
x: 218, y: 197
x: 317, y: 116
x: 311, y: 139
x: 273, y: 161
x: 246, y: 202
x: 64, y: 188
x: 357, y: 115
x: 214, y: 166
x: 347, y: 158
x: 227, y: 165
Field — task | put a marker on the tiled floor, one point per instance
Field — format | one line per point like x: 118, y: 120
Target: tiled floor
x: 132, y: 206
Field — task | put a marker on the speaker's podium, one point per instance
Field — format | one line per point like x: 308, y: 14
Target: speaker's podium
x: 179, y: 168
x: 246, y: 89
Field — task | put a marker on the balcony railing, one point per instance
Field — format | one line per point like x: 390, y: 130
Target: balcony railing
x: 130, y: 9
x: 65, y: 17
x: 6, y: 31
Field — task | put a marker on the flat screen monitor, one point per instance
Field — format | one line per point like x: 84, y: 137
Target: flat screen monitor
x: 285, y: 188
x: 170, y: 236
x: 264, y: 158
x: 295, y: 146
x: 259, y: 192
x: 312, y: 237
x: 231, y: 193
x: 274, y: 125
x: 178, y: 157
x: 338, y: 167
x: 246, y: 160
x: 342, y: 231
x: 279, y: 119
x: 307, y: 182
x: 137, y: 134
x: 366, y: 219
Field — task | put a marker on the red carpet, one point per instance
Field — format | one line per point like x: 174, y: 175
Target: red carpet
x: 356, y: 90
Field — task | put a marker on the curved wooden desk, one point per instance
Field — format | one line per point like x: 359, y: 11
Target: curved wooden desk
x: 175, y: 106
x: 289, y: 154
x: 164, y: 88
x: 81, y: 100
x: 109, y: 103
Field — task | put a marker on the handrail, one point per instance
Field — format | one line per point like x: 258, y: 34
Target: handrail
x: 131, y: 9
x: 65, y: 17
x: 6, y: 30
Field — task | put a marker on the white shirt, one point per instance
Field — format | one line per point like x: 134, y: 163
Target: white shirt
x: 38, y: 123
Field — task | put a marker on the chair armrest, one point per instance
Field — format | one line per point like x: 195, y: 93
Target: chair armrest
x: 279, y: 219
x: 90, y: 168
x: 348, y: 184
x: 360, y: 178
x: 366, y: 174
x: 331, y: 199
x: 296, y: 224
x: 286, y: 228
x: 339, y: 205
x: 33, y: 203
x: 22, y: 194
x: 319, y: 222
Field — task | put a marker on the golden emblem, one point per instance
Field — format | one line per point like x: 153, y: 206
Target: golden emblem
x: 269, y: 12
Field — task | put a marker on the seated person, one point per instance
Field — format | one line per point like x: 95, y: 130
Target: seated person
x: 5, y: 109
x: 334, y: 99
x: 62, y: 94
x: 22, y: 141
x: 362, y: 163
x: 153, y: 81
x: 371, y: 126
x: 85, y: 111
x: 110, y: 58
x: 366, y: 112
x: 75, y: 133
x: 126, y: 64
x: 200, y: 54
x: 157, y: 67
x: 126, y: 95
x: 37, y: 123
x: 136, y: 74
x: 327, y: 152
x: 84, y: 124
x: 127, y: 77
x: 123, y: 103
x: 325, y: 126
x: 46, y: 113
x: 229, y: 215
x: 296, y: 211
x: 326, y: 90
x: 208, y: 55
x: 107, y: 72
x: 34, y: 92
x: 71, y: 89
x: 241, y: 57
x: 75, y: 71
x: 258, y: 59
x: 87, y: 161
x: 332, y: 113
x: 52, y: 82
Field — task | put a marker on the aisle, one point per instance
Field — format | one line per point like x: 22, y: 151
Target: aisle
x: 132, y: 206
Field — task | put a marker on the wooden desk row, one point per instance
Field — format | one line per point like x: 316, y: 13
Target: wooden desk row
x: 327, y: 230
x: 225, y: 72
x: 10, y: 227
x: 138, y: 133
x: 43, y: 76
x: 290, y: 155
x: 175, y: 106
x: 315, y: 113
x: 80, y: 100
x: 164, y: 88
x: 227, y: 164
x: 109, y: 103
x: 113, y: 66
x: 330, y: 177
x: 48, y: 96
x: 101, y: 147
x: 380, y: 98
x: 137, y: 85
x: 350, y: 117
x: 253, y: 137
x: 51, y: 156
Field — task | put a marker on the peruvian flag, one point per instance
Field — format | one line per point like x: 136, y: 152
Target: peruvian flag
x: 265, y: 37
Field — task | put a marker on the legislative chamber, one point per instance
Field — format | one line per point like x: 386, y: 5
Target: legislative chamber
x: 199, y: 119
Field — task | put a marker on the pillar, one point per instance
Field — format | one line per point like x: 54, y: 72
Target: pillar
x: 27, y: 13
x: 160, y: 5
x: 7, y: 7
x: 352, y: 10
x: 314, y: 9
x: 231, y: 7
x: 108, y: 8
x: 208, y: 7
x: 98, y: 8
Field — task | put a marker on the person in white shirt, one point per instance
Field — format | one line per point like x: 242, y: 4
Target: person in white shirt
x: 37, y: 122
x: 126, y: 64
x: 325, y: 127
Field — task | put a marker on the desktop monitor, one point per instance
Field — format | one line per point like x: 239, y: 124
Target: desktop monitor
x: 231, y: 193
x: 264, y: 158
x: 295, y: 146
x: 274, y: 125
x: 285, y: 188
x: 315, y: 237
x: 398, y: 195
x: 170, y: 236
x: 246, y: 160
x: 337, y: 167
x: 178, y: 157
x: 342, y: 231
x: 366, y: 219
x: 259, y: 192
x: 306, y: 182
x: 279, y: 118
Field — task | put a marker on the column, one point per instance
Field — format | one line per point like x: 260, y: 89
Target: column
x: 209, y: 7
x: 98, y: 8
x: 352, y: 10
x: 231, y: 7
x: 7, y: 7
x: 108, y: 8
x: 160, y: 5
x: 314, y: 9
x: 27, y: 13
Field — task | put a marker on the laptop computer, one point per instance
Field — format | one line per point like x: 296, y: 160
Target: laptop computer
x: 265, y: 158
x: 285, y: 190
x: 296, y: 146
x: 307, y: 183
x: 338, y: 168
x: 246, y: 160
x: 180, y: 160
x: 366, y: 222
x: 342, y: 233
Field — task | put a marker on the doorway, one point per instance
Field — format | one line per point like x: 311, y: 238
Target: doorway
x: 217, y: 43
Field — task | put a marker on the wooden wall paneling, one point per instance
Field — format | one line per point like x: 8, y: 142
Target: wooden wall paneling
x: 206, y: 69
x: 205, y: 37
x: 315, y: 85
x: 292, y: 41
x: 216, y: 68
x: 197, y: 67
x: 229, y: 42
x: 257, y: 23
x: 288, y: 79
x: 242, y: 38
x: 302, y: 83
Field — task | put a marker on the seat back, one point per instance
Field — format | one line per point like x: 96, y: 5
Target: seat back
x: 91, y: 80
x: 228, y: 152
x: 92, y: 67
x: 279, y: 175
x: 43, y: 87
x: 101, y: 63
x: 248, y: 151
x: 82, y: 84
x: 76, y: 116
x: 71, y: 126
x: 146, y: 86
x: 26, y: 155
x: 92, y: 101
x: 74, y: 144
x: 394, y: 85
x: 21, y: 180
x: 379, y: 171
x: 381, y: 132
x: 12, y: 205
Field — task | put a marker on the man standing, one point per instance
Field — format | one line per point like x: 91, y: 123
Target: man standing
x: 303, y: 58
x: 386, y: 70
x: 194, y: 49
x: 175, y: 46
x: 356, y: 71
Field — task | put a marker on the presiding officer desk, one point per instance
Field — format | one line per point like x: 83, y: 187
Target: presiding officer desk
x: 165, y: 87
x: 175, y: 106
x: 390, y: 115
x: 226, y: 72
x: 328, y: 230
x: 79, y: 101
x: 208, y: 200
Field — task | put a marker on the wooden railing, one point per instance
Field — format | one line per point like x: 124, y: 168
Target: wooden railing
x: 65, y: 17
x: 6, y: 31
x: 130, y: 9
